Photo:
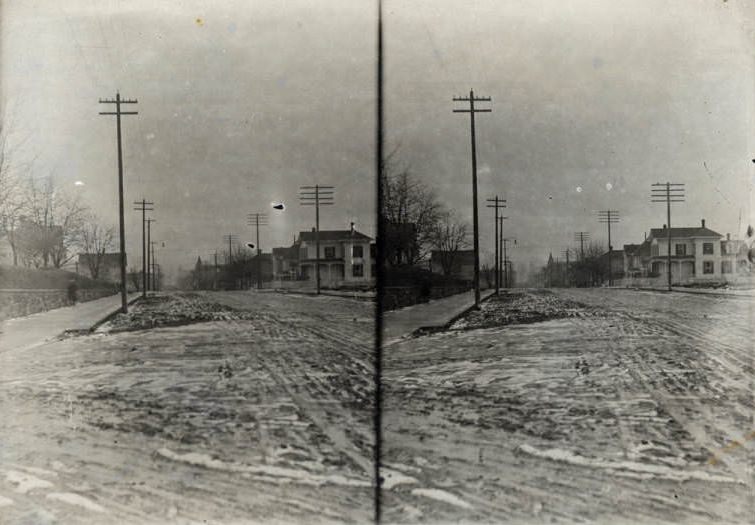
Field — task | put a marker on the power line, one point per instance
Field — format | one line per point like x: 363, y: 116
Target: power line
x: 231, y: 238
x: 472, y: 110
x: 667, y: 192
x: 122, y: 228
x: 317, y: 195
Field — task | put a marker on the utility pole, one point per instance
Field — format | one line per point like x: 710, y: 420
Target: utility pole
x: 497, y: 204
x: 581, y: 237
x: 609, y: 217
x: 667, y: 192
x: 122, y: 228
x: 257, y: 220
x: 149, y: 250
x: 472, y: 110
x: 230, y: 239
x: 215, y: 279
x: 144, y: 206
x: 154, y: 266
x: 316, y: 196
x: 566, y: 277
x: 506, y: 261
x: 500, y: 243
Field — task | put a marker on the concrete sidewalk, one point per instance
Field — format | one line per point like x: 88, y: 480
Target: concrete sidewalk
x: 435, y: 314
x: 32, y: 330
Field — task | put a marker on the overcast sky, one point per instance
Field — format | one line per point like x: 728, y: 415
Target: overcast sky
x: 592, y: 101
x: 240, y: 103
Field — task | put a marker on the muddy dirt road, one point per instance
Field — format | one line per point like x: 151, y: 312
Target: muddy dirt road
x: 615, y: 406
x: 257, y: 417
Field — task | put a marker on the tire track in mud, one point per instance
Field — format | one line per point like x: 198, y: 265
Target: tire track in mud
x: 313, y: 395
x: 640, y: 369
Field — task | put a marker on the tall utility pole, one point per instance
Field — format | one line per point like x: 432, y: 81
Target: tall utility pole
x: 609, y: 217
x: 230, y: 239
x: 257, y: 220
x: 144, y: 206
x: 154, y: 266
x: 316, y: 196
x: 500, y: 243
x: 667, y: 192
x: 497, y: 204
x: 122, y: 228
x: 566, y: 277
x: 506, y: 261
x: 215, y: 277
x: 472, y: 110
x: 581, y: 237
x: 149, y: 250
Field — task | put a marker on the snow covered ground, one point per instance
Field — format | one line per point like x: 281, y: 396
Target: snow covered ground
x: 579, y: 406
x: 262, y: 414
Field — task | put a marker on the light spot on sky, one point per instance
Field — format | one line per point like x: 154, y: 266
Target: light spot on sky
x: 609, y: 186
x: 78, y: 183
x: 579, y: 189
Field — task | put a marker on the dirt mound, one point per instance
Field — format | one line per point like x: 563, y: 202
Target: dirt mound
x: 172, y: 310
x: 521, y: 308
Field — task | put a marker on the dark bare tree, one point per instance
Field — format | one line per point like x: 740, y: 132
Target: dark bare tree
x: 448, y: 237
x: 96, y: 240
x: 410, y: 212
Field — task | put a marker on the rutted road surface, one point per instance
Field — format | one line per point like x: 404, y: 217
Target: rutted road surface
x: 264, y: 415
x: 613, y: 406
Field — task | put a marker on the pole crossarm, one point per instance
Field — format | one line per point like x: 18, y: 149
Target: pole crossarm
x: 667, y: 192
x: 317, y: 195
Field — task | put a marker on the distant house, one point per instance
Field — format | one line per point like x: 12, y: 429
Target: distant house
x: 263, y: 263
x: 698, y: 254
x: 107, y: 269
x: 458, y: 264
x: 347, y: 257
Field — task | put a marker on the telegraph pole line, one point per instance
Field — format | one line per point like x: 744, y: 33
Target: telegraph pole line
x: 149, y: 250
x: 144, y: 207
x: 667, y: 192
x: 472, y: 110
x: 152, y: 252
x: 122, y: 228
x: 500, y: 244
x: 497, y: 204
x: 566, y: 277
x: 506, y: 261
x: 582, y: 237
x: 257, y: 220
x: 609, y: 217
x: 230, y: 238
x: 316, y: 196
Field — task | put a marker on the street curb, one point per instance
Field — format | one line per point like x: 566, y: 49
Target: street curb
x: 690, y: 292
x: 104, y: 319
x: 422, y: 330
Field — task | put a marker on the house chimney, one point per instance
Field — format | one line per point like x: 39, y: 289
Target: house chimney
x: 313, y: 229
x: 703, y: 223
x: 664, y: 226
x: 352, y: 228
x: 728, y: 236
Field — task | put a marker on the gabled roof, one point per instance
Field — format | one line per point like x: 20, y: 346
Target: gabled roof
x: 684, y: 232
x: 639, y: 250
x: 334, y: 235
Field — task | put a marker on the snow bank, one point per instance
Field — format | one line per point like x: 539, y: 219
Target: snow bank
x: 630, y: 468
x: 442, y: 495
x: 271, y: 473
x: 26, y: 482
x: 75, y: 499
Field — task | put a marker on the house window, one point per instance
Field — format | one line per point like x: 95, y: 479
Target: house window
x: 357, y: 270
x: 654, y: 250
x: 708, y: 248
x: 357, y: 251
x: 303, y: 253
x: 681, y: 249
x: 330, y: 252
x: 725, y: 266
x: 373, y: 269
x: 373, y: 250
x: 707, y: 266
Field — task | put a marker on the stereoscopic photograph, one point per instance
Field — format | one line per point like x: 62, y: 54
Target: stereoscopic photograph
x: 364, y: 261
